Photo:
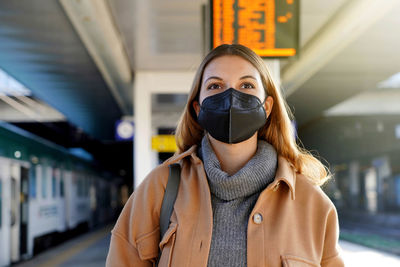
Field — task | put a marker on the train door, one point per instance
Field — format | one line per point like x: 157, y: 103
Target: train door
x: 68, y: 196
x: 2, y: 233
x: 4, y: 212
x: 58, y: 174
x: 24, y: 197
x: 14, y: 231
x: 371, y: 192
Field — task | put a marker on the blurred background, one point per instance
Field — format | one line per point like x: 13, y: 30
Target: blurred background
x: 91, y: 92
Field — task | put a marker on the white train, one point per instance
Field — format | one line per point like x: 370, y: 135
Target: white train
x: 46, y: 194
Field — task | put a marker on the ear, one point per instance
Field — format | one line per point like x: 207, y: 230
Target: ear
x: 196, y: 107
x: 269, y: 102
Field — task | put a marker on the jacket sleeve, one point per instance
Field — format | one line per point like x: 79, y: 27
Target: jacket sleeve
x: 122, y: 253
x: 332, y: 252
x: 135, y: 237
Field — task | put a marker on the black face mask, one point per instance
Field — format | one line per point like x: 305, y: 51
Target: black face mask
x: 232, y: 116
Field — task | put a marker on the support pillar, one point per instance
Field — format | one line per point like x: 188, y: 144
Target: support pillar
x: 147, y: 83
x: 142, y: 139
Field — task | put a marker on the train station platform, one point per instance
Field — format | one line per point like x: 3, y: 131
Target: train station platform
x: 91, y: 250
x: 87, y: 250
x: 357, y: 255
x: 377, y: 231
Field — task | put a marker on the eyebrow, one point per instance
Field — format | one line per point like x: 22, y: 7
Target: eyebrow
x: 220, y: 79
x: 213, y: 77
x: 247, y: 76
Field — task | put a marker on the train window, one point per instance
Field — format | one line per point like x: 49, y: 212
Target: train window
x: 14, y: 202
x: 85, y: 186
x: 44, y: 182
x: 79, y: 186
x: 61, y: 185
x: 32, y: 183
x: 53, y: 184
x: 1, y: 204
x: 82, y: 186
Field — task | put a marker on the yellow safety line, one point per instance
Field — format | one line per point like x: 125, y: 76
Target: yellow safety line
x: 69, y: 253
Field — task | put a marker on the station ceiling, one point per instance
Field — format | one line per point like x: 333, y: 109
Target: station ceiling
x: 44, y: 45
x: 40, y: 48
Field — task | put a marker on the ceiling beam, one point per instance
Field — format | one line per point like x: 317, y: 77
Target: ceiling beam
x: 95, y: 26
x: 173, y: 82
x: 344, y: 27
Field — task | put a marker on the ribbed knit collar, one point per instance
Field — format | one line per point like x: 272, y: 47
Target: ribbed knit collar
x: 258, y: 172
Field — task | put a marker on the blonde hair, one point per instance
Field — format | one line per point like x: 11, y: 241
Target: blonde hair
x: 277, y: 131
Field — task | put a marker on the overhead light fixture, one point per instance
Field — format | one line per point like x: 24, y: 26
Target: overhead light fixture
x: 391, y: 82
x: 11, y: 87
x: 21, y: 99
x: 95, y: 26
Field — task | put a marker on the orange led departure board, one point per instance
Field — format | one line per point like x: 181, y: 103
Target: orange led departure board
x: 269, y: 27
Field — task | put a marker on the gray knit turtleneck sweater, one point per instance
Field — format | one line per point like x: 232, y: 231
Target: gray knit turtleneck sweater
x: 233, y: 198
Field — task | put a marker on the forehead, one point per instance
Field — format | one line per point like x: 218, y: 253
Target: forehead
x: 229, y: 65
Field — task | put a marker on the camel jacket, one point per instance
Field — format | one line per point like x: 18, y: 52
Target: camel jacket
x: 293, y: 222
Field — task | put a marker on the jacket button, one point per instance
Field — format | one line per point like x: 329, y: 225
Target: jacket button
x: 257, y: 218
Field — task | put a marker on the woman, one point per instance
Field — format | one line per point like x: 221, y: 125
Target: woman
x: 248, y: 195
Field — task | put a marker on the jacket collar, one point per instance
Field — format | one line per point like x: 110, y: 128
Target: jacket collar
x: 285, y: 172
x: 177, y: 157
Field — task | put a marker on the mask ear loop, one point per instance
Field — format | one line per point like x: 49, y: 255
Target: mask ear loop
x: 263, y: 106
x: 265, y: 99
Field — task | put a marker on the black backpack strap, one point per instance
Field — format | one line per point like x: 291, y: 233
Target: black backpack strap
x: 171, y: 191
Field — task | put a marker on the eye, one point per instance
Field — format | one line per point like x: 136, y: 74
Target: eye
x: 247, y: 86
x: 214, y: 86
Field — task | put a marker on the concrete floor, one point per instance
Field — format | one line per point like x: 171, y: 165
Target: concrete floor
x: 84, y: 251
